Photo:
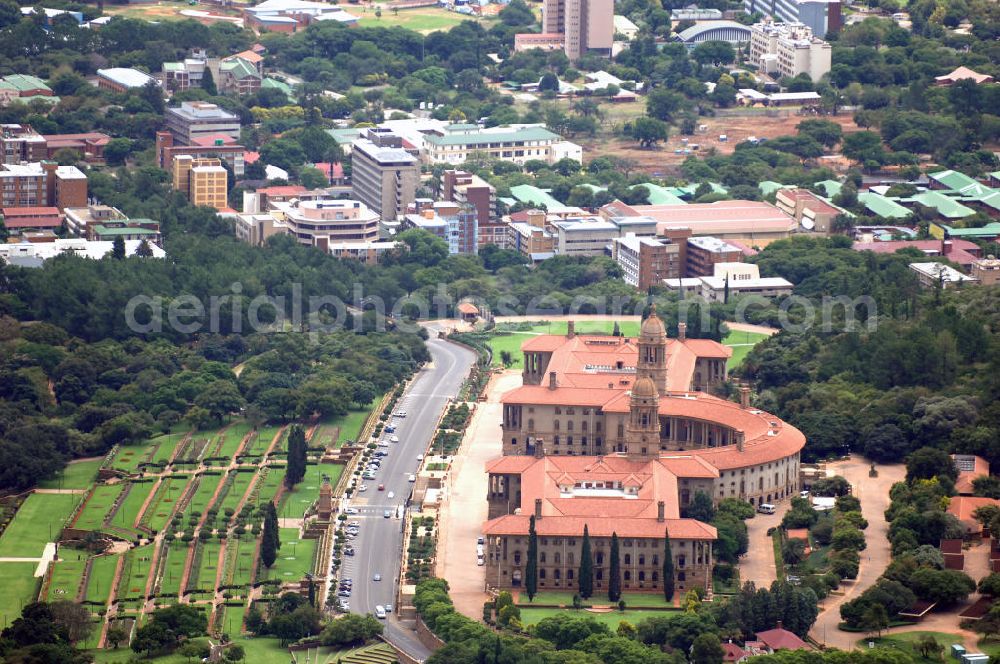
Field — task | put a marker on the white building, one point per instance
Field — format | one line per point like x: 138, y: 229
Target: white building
x: 931, y: 275
x: 736, y: 279
x: 584, y: 237
x: 33, y: 254
x: 120, y: 79
x: 325, y: 223
x: 625, y: 27
x: 789, y: 49
x: 517, y: 143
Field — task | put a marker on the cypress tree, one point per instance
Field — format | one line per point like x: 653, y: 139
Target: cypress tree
x: 118, y: 248
x: 208, y: 83
x: 270, y: 540
x: 668, y: 567
x: 615, y: 572
x: 531, y: 566
x: 296, y: 469
x: 586, y: 566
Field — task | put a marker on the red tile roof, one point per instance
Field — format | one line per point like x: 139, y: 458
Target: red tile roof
x: 720, y: 217
x: 210, y: 141
x: 566, y: 526
x: 962, y: 252
x: 962, y: 507
x: 337, y: 169
x: 250, y: 157
x: 732, y: 652
x: 283, y: 190
x: 781, y: 639
x: 980, y: 468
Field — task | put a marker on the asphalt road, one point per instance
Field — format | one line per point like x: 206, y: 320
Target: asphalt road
x: 380, y: 543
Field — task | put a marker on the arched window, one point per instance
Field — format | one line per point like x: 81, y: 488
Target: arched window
x: 656, y: 576
x: 556, y: 574
x: 557, y: 558
x: 628, y: 558
x: 642, y: 560
x: 569, y: 425
x: 627, y: 575
x: 642, y: 576
x: 541, y: 557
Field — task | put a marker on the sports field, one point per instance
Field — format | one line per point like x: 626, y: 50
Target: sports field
x: 422, y: 19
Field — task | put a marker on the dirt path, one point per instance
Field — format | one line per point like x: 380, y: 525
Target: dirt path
x: 750, y: 327
x: 110, y: 607
x: 874, y: 495
x: 63, y: 491
x: 464, y: 506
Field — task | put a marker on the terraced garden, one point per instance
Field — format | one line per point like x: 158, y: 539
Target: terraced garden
x: 102, y: 575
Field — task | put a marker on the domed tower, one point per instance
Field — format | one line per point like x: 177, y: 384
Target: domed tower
x: 642, y: 434
x: 652, y: 361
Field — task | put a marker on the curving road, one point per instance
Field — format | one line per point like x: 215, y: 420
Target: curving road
x: 380, y: 543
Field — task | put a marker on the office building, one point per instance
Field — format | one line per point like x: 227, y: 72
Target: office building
x: 458, y: 225
x: 704, y: 253
x: 42, y: 184
x: 323, y: 224
x: 789, y: 49
x: 34, y: 254
x: 18, y: 220
x: 584, y: 237
x: 257, y: 227
x: 986, y: 271
x: 586, y: 26
x: 21, y: 143
x: 184, y: 75
x: 218, y: 146
x: 531, y: 237
x: 203, y: 181
x: 123, y: 79
x: 469, y: 189
x: 751, y: 222
x: 731, y: 280
x: 103, y: 222
x: 198, y: 119
x: 519, y: 144
x: 647, y: 261
x: 384, y: 176
x: 934, y: 275
x: 820, y: 16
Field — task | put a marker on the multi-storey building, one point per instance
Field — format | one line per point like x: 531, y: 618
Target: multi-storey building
x: 123, y: 79
x: 703, y: 253
x: 584, y: 237
x: 645, y: 261
x: 20, y: 143
x: 103, y: 222
x: 24, y: 88
x: 812, y: 212
x: 586, y: 26
x: 789, y: 49
x: 239, y: 74
x: 219, y: 146
x: 531, y: 237
x: 732, y: 280
x: 820, y: 16
x: 614, y: 434
x: 384, y: 176
x: 456, y: 224
x: 204, y: 181
x: 42, y: 184
x: 181, y: 76
x: 469, y: 189
x: 458, y: 142
x: 197, y: 119
x: 323, y: 224
x: 256, y: 227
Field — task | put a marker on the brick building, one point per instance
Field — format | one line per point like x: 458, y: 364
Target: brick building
x: 42, y: 184
x: 466, y: 188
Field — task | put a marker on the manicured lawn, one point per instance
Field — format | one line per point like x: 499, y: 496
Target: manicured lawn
x: 173, y: 568
x: 239, y: 560
x: 241, y: 482
x: 157, y: 514
x: 906, y: 641
x: 231, y: 622
x: 98, y: 506
x: 38, y: 521
x: 208, y: 566
x: 166, y: 446
x: 270, y: 483
x: 350, y: 425
x: 742, y: 343
x: 550, y: 597
x: 102, y: 573
x: 132, y: 505
x: 295, y: 502
x: 132, y: 584
x: 261, y: 440
x: 423, y: 19
x: 76, y: 475
x: 66, y: 575
x: 295, y: 557
x: 232, y: 438
x: 531, y: 616
x: 203, y: 494
x: 129, y: 457
x: 20, y: 587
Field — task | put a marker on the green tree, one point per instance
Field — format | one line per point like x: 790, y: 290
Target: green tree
x: 312, y: 178
x: 208, y: 83
x: 648, y: 131
x: 668, y: 567
x: 270, y: 540
x: 117, y: 150
x: 700, y: 507
x: 118, y: 248
x: 586, y: 574
x: 296, y: 469
x: 707, y: 649
x: 875, y: 619
x: 531, y: 565
x: 144, y: 250
x: 614, y: 571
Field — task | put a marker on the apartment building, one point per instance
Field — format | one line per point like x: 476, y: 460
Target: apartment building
x: 123, y: 79
x: 703, y: 253
x: 820, y: 16
x: 103, y: 222
x: 645, y: 261
x: 240, y: 74
x: 42, y: 184
x: 384, y: 176
x: 21, y: 143
x: 586, y: 26
x: 198, y: 119
x: 323, y: 224
x: 184, y: 75
x: 531, y: 237
x: 458, y: 225
x: 204, y: 181
x: 219, y: 146
x: 257, y: 227
x: 519, y: 144
x: 18, y: 220
x: 468, y: 189
x: 789, y: 49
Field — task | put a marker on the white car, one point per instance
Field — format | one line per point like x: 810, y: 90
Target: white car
x: 390, y: 495
x: 363, y: 487
x: 351, y: 510
x: 394, y: 439
x: 420, y: 457
x: 412, y: 478
x: 400, y: 413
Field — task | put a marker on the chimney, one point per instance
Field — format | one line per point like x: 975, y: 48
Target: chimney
x: 538, y: 509
x: 682, y: 331
x: 539, y: 448
x: 739, y: 439
x: 661, y: 511
x: 779, y: 625
x: 744, y: 396
x: 553, y: 383
x: 571, y: 329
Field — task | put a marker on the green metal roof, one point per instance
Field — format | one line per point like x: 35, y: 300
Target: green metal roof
x: 831, y: 187
x: 344, y: 136
x: 945, y: 206
x: 690, y: 189
x: 123, y: 230
x: 592, y: 187
x: 532, y: 195
x: 173, y: 66
x: 240, y: 68
x: 26, y: 82
x: 768, y: 187
x: 883, y: 207
x: 661, y: 195
x: 277, y: 85
x: 480, y: 138
x: 952, y: 179
x: 991, y: 229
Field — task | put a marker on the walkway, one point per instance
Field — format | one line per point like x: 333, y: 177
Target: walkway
x: 464, y: 506
x: 48, y: 555
x: 873, y: 492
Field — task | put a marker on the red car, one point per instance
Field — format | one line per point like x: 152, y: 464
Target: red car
x: 381, y: 487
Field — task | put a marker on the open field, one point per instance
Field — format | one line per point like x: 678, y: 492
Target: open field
x: 906, y: 641
x: 37, y: 522
x: 19, y: 588
x: 76, y: 475
x: 422, y: 19
x: 295, y: 557
x: 163, y: 11
x: 550, y: 597
x: 531, y: 616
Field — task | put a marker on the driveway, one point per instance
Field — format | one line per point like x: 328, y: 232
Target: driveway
x: 757, y: 564
x: 873, y: 492
x: 464, y: 507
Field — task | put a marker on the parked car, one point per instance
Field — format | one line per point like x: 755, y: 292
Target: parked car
x: 377, y: 577
x: 381, y: 487
x: 380, y: 612
x: 412, y: 478
x: 391, y: 494
x: 363, y: 487
x: 387, y: 514
x: 420, y: 457
x: 351, y: 510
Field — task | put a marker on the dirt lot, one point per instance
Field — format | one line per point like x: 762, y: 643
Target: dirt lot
x: 663, y: 160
